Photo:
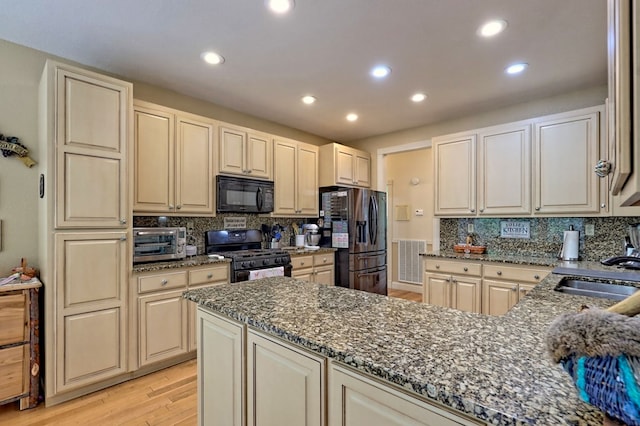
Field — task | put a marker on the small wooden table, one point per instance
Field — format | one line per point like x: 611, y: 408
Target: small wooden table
x: 20, y: 343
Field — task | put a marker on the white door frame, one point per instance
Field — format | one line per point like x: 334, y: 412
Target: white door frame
x: 382, y: 183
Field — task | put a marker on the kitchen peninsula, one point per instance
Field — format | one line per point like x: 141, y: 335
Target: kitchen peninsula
x: 452, y: 367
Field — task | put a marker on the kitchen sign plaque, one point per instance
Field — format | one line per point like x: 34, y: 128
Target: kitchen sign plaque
x: 514, y: 229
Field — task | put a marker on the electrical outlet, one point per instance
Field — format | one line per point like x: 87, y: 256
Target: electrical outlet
x: 190, y: 225
x: 589, y: 230
x: 470, y: 228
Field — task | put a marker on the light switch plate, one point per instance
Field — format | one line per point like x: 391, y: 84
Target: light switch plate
x: 589, y: 230
x: 470, y: 228
x: 0, y: 235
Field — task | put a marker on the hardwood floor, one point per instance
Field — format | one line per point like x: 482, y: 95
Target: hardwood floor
x: 167, y: 397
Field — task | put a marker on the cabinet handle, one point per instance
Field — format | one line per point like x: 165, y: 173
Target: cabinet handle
x: 164, y: 282
x: 537, y: 277
x: 499, y: 272
x: 123, y: 221
x: 465, y: 269
x: 209, y: 276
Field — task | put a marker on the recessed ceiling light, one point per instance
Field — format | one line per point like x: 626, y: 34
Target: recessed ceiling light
x: 380, y: 71
x: 280, y: 6
x: 516, y: 68
x: 492, y: 28
x: 308, y: 99
x: 418, y: 97
x: 352, y: 117
x: 212, y: 58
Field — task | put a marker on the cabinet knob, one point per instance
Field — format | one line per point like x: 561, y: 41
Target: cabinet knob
x: 209, y: 276
x: 481, y: 210
x: 248, y: 171
x: 123, y: 221
x: 602, y: 168
x: 522, y: 290
x: 514, y: 288
x: 499, y: 272
x: 437, y: 266
x: 179, y: 206
x: 537, y: 209
x: 171, y: 206
x: 164, y: 282
x: 448, y: 280
x: 123, y: 238
x: 473, y: 210
x: 537, y: 277
x: 603, y: 205
x: 324, y: 260
x: 301, y: 263
x: 465, y: 269
x: 454, y: 280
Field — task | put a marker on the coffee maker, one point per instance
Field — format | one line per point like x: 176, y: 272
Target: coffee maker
x: 631, y: 260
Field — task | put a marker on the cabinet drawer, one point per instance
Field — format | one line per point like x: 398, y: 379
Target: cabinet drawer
x: 450, y: 267
x: 302, y: 262
x: 207, y: 275
x: 512, y: 273
x: 162, y: 281
x: 11, y: 371
x: 13, y: 318
x: 323, y: 259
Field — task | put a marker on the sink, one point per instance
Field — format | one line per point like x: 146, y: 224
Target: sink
x: 603, y: 290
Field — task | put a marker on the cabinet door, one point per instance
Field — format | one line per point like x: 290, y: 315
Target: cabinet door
x: 163, y: 326
x: 92, y: 133
x: 285, y: 156
x: 259, y: 156
x: 91, y: 309
x: 504, y: 170
x: 307, y: 181
x: 437, y: 289
x: 304, y: 274
x: 363, y: 170
x: 466, y: 294
x: 455, y: 176
x: 153, y: 161
x: 345, y: 166
x: 566, y: 150
x: 498, y: 296
x: 194, y: 167
x: 192, y: 308
x: 221, y: 371
x: 287, y: 385
x: 355, y: 400
x: 324, y: 275
x: 232, y: 151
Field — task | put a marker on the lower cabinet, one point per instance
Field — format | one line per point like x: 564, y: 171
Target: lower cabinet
x: 279, y: 383
x: 357, y: 400
x: 504, y: 286
x: 285, y: 386
x: 318, y: 268
x: 453, y: 284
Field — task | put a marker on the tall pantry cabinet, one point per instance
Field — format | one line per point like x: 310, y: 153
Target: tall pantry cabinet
x: 85, y: 223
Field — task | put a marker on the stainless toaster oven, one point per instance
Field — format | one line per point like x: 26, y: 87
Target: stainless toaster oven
x: 153, y: 244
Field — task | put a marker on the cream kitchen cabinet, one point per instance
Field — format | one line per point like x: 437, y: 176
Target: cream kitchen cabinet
x: 295, y: 179
x: 566, y: 148
x: 343, y: 165
x: 173, y: 162
x: 495, y: 182
x: 358, y: 400
x: 85, y: 219
x: 504, y: 286
x: 285, y: 385
x: 318, y: 268
x: 453, y: 284
x: 222, y: 372
x: 245, y: 152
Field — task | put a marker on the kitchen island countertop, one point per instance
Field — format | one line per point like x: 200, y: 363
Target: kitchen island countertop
x: 493, y: 368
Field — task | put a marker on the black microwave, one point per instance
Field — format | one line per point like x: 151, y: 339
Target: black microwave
x: 239, y: 195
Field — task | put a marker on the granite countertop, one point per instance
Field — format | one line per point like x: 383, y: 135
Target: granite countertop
x: 183, y: 263
x: 17, y: 284
x: 299, y: 251
x: 493, y: 368
x: 547, y: 261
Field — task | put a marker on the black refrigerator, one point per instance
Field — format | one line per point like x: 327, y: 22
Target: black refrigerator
x: 354, y: 221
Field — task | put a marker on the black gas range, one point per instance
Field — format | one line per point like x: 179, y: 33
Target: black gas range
x: 244, y: 248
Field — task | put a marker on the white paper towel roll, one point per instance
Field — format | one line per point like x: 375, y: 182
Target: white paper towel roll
x: 570, y: 245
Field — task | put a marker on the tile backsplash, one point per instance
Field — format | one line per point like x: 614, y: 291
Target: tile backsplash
x: 545, y: 235
x: 203, y: 224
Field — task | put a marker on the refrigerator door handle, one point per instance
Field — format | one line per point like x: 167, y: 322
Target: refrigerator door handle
x: 373, y: 220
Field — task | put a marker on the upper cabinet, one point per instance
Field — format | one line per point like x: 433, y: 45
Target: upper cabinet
x: 566, y: 149
x: 244, y: 152
x: 87, y: 121
x: 296, y: 179
x: 486, y: 172
x: 173, y: 162
x: 542, y: 166
x: 344, y: 166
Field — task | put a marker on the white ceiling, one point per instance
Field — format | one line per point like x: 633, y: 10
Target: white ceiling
x: 326, y: 48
